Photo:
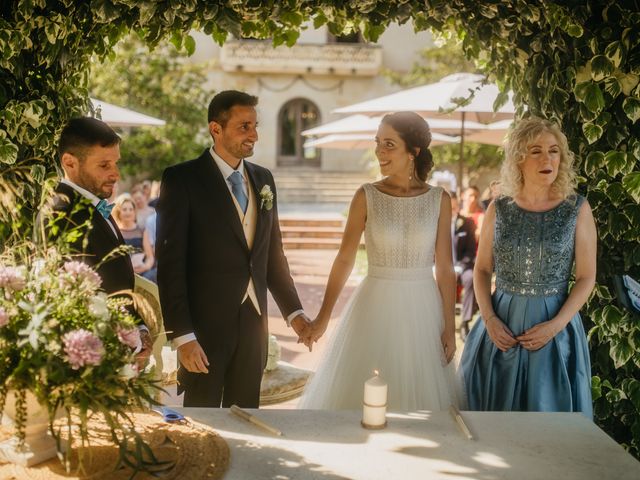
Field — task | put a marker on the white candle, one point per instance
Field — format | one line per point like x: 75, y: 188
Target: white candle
x: 375, y: 391
x: 374, y: 409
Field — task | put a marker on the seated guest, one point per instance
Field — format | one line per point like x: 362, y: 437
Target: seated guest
x: 490, y: 194
x: 463, y: 240
x: 143, y: 210
x: 529, y: 351
x: 142, y: 258
x: 471, y: 207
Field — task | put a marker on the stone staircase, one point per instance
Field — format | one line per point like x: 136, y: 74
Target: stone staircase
x: 299, y: 185
x: 313, y: 234
x: 312, y: 204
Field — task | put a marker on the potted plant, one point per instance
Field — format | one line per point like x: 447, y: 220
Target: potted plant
x: 68, y: 350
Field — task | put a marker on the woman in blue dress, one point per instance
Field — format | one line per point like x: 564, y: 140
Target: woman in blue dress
x: 528, y: 351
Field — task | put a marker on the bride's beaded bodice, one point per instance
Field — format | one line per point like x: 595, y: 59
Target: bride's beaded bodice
x: 400, y: 232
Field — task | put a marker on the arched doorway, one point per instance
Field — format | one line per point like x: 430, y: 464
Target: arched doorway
x: 296, y: 116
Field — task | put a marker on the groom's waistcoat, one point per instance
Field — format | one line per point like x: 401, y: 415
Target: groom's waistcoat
x: 248, y: 221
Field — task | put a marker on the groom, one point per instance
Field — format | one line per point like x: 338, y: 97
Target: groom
x: 219, y: 249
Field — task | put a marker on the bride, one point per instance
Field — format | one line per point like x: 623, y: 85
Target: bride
x: 399, y: 321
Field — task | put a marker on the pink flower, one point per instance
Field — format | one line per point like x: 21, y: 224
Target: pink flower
x: 82, y: 348
x: 130, y: 337
x: 82, y: 272
x: 4, y: 317
x: 12, y: 278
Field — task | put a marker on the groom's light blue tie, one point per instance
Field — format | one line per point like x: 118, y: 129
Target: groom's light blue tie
x: 236, y: 188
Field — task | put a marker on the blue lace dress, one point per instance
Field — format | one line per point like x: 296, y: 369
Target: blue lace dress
x: 533, y: 258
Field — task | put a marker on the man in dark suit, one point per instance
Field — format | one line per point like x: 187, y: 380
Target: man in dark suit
x: 79, y: 213
x: 463, y: 237
x: 219, y: 249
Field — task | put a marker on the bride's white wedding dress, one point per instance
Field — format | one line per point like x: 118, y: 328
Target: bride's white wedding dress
x: 394, y: 320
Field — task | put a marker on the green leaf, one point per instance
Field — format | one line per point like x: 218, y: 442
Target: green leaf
x: 601, y: 67
x: 594, y: 162
x: 596, y: 387
x: 8, y: 151
x: 38, y: 173
x: 631, y: 184
x: 594, y: 99
x: 615, y: 162
x: 575, y: 30
x: 621, y: 352
x: 628, y: 81
x: 190, y: 45
x: 615, y: 52
x: 592, y: 132
x: 631, y: 107
x: 612, y: 86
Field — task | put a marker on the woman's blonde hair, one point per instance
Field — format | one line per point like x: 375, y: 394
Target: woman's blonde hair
x: 120, y: 201
x: 521, y: 135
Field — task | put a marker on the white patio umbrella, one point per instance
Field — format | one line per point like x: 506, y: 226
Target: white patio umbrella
x: 360, y: 123
x: 492, y: 134
x: 435, y: 98
x: 117, y: 116
x: 355, y: 141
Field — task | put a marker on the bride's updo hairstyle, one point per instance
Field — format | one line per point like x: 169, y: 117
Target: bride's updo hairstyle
x: 415, y: 133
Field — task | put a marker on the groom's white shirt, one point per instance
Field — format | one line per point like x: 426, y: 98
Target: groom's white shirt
x: 226, y: 171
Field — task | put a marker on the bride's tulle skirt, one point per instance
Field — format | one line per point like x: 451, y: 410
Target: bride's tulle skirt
x: 392, y: 324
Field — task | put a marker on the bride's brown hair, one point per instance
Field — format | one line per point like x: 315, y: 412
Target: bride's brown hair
x: 416, y: 134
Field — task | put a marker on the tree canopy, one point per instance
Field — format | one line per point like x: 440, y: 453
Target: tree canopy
x: 574, y: 61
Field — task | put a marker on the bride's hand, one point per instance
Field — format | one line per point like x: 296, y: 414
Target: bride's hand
x: 448, y: 345
x: 318, y: 327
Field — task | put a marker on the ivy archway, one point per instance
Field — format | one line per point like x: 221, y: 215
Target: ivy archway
x: 576, y: 61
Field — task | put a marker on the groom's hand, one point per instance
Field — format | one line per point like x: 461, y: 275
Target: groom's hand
x: 301, y: 325
x: 192, y: 357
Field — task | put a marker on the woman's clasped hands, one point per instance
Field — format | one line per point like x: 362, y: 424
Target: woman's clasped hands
x: 532, y: 339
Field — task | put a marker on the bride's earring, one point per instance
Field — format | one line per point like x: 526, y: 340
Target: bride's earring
x: 411, y: 170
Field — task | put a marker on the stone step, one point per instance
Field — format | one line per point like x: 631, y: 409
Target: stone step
x: 311, y: 231
x: 288, y: 221
x: 348, y: 187
x: 311, y: 243
x: 312, y: 197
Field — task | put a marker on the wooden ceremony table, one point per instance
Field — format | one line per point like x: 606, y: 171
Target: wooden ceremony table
x: 331, y: 445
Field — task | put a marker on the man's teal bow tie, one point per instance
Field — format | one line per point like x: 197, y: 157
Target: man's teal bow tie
x: 104, y: 208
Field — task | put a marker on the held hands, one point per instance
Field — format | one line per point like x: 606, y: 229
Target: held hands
x: 301, y: 325
x: 538, y: 336
x: 499, y: 333
x: 192, y: 357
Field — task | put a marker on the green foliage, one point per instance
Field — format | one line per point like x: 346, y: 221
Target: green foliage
x: 161, y: 84
x: 575, y: 61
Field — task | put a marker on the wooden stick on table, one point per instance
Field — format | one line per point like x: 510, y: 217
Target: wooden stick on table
x: 256, y: 421
x: 455, y: 413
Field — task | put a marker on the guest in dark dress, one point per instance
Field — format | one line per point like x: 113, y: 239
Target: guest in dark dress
x: 463, y: 241
x: 529, y: 351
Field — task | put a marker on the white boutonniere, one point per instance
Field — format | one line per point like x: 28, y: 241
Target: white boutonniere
x: 266, y: 198
x: 459, y: 223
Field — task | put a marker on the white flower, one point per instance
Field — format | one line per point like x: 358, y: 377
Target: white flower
x: 266, y: 198
x: 129, y: 371
x: 98, y: 306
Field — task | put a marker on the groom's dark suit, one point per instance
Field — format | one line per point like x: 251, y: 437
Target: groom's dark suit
x: 204, y: 268
x: 95, y: 243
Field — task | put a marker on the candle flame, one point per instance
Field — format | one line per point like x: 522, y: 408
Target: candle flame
x: 376, y: 373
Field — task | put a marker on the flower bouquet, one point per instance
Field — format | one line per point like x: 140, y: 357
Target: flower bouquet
x: 67, y: 344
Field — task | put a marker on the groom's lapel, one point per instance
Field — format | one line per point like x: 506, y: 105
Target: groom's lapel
x: 216, y: 186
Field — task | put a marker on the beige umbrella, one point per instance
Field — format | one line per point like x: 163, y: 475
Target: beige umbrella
x: 441, y: 98
x: 355, y: 141
x: 117, y: 116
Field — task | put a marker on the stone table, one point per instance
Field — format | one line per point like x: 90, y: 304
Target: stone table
x: 319, y: 444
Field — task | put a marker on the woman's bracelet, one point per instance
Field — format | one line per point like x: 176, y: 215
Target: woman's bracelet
x: 491, y: 317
